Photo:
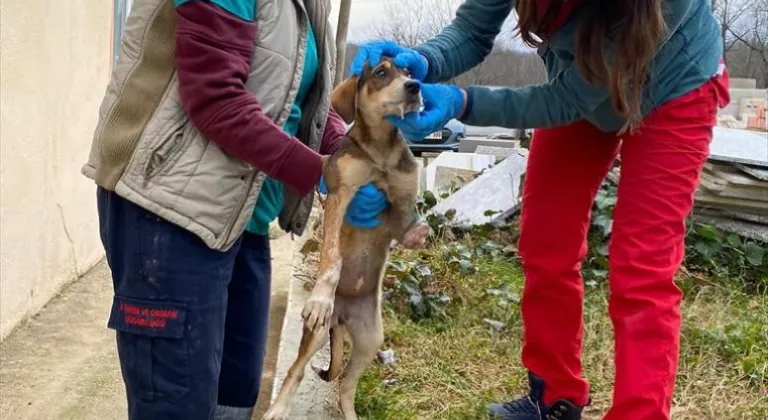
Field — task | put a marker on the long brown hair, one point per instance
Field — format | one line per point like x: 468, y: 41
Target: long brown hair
x: 637, y: 26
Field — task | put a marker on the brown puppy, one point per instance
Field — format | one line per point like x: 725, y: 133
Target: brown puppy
x: 347, y: 295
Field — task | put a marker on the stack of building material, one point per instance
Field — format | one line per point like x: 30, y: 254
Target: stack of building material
x: 471, y: 143
x: 733, y: 193
x: 727, y: 187
x: 748, y: 106
x: 733, y: 200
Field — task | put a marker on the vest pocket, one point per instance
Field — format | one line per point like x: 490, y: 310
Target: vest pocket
x: 164, y: 152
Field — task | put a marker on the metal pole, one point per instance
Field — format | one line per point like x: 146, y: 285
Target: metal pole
x: 341, y: 40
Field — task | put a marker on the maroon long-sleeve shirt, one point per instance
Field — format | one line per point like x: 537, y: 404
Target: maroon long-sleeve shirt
x: 213, y: 59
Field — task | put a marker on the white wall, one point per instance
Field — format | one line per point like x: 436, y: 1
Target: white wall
x: 739, y: 94
x: 55, y: 59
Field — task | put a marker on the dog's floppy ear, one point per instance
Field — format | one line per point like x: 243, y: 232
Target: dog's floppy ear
x: 344, y: 98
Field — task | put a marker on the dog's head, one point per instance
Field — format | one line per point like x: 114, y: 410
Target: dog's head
x: 378, y: 92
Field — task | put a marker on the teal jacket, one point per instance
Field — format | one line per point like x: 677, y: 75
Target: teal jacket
x: 688, y: 57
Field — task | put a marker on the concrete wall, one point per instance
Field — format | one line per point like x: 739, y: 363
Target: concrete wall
x: 737, y: 96
x: 55, y: 59
x: 740, y: 83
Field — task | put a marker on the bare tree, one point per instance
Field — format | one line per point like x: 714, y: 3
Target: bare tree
x: 506, y: 67
x: 744, y: 36
x: 755, y: 33
x: 411, y: 22
x: 730, y: 14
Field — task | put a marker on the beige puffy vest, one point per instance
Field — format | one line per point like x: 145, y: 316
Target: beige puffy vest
x: 148, y: 152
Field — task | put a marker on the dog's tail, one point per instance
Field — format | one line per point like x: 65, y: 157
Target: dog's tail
x: 337, y: 356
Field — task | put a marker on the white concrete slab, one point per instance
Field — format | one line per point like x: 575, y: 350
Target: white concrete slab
x: 470, y: 161
x: 470, y: 144
x: 500, y: 153
x: 740, y: 146
x: 447, y: 178
x: 497, y: 190
x: 755, y: 171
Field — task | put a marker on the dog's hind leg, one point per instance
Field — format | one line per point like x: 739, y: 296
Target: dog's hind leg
x: 367, y: 334
x: 337, y: 355
x: 311, y: 342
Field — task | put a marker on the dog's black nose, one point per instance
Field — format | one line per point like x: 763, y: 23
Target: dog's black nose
x: 412, y: 87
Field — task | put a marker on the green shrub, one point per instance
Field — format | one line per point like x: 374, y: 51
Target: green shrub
x: 709, y: 251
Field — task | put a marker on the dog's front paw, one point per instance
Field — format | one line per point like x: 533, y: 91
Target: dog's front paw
x: 317, y: 312
x: 275, y: 413
x: 416, y: 237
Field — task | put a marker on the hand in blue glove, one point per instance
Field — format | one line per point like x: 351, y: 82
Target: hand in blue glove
x: 364, y: 209
x: 402, y: 57
x: 441, y: 104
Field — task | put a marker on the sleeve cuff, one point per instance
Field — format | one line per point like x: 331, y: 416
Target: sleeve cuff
x: 469, y: 106
x: 302, y: 170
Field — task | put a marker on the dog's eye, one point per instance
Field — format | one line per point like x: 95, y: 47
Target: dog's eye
x: 380, y: 73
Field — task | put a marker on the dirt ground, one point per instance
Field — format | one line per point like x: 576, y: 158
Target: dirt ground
x: 62, y: 363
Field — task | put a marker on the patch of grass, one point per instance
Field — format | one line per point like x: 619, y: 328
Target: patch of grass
x: 451, y: 364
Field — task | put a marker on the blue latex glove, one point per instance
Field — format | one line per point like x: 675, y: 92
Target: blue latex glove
x: 402, y: 57
x: 441, y: 104
x: 364, y: 209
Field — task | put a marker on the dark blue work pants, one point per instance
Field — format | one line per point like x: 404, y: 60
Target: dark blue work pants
x: 191, y: 322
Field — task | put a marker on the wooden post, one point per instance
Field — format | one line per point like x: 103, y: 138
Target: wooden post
x: 341, y: 40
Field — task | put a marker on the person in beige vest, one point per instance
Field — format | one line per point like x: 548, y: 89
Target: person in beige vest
x: 213, y: 125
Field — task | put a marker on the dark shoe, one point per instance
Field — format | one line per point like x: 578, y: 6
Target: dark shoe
x: 532, y: 407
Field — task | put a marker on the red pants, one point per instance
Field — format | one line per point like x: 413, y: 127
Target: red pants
x: 660, y: 168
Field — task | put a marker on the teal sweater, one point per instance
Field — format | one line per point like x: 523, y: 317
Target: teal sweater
x: 689, y: 56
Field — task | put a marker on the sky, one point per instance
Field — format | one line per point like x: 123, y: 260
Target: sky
x: 362, y: 16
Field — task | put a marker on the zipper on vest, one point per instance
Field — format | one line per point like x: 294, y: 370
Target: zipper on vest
x: 312, y: 111
x: 239, y: 208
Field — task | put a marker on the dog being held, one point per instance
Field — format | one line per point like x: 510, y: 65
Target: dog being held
x: 347, y: 294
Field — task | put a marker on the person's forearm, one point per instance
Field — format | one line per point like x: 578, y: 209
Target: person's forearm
x: 213, y: 56
x: 564, y: 99
x: 466, y: 42
x: 525, y: 107
x: 335, y: 130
